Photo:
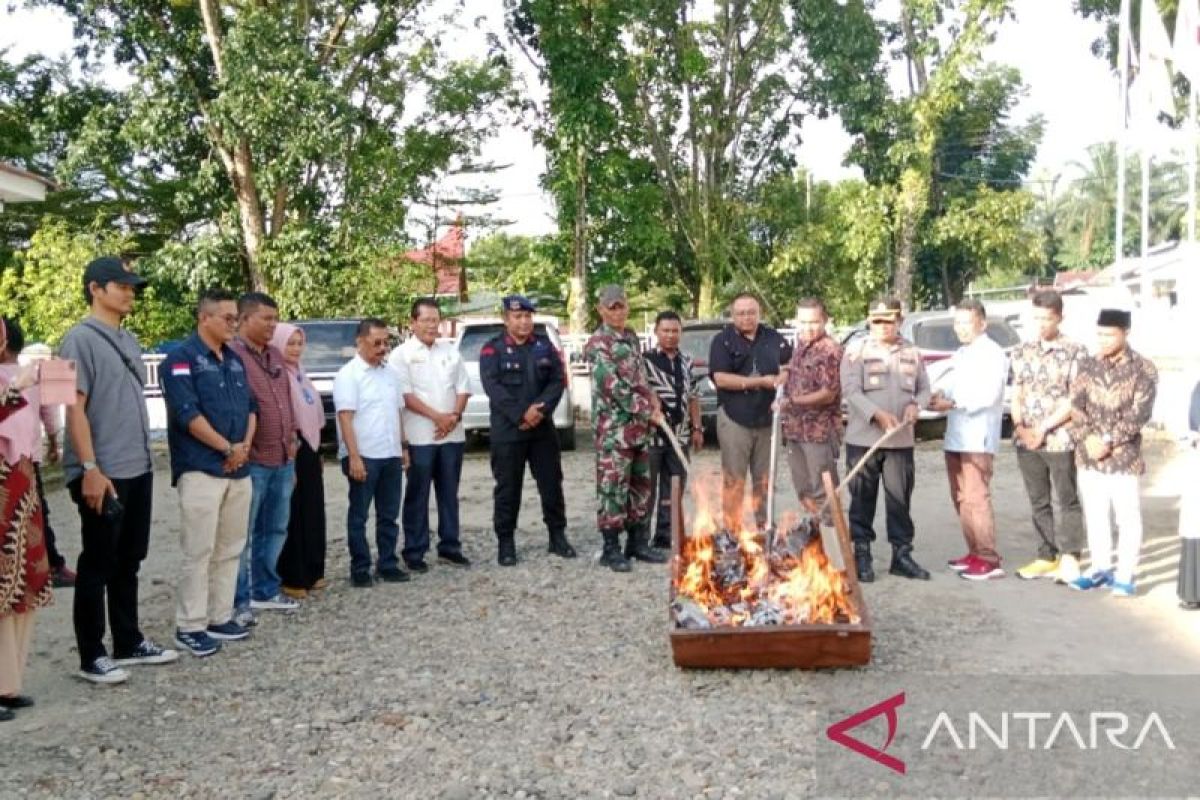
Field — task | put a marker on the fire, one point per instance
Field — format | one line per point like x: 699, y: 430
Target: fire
x: 725, y: 578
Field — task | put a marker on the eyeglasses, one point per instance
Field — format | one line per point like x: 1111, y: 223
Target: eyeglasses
x: 228, y: 319
x: 883, y: 322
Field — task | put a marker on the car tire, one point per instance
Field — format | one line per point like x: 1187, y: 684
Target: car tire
x: 566, y: 438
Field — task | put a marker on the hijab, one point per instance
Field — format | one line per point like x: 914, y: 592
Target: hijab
x: 306, y: 401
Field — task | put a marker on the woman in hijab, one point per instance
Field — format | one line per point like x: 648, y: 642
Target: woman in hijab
x: 302, y: 562
x: 1189, y: 520
x: 24, y: 567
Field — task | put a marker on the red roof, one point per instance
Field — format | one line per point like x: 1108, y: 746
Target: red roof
x: 445, y: 256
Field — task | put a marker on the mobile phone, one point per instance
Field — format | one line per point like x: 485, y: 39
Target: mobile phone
x: 112, y: 508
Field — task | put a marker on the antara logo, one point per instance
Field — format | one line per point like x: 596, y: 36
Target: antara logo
x: 837, y: 732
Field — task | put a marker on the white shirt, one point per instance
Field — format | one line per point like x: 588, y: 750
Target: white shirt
x: 975, y: 382
x: 373, y: 394
x: 437, y: 376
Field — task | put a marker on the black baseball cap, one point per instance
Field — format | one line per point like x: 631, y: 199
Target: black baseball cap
x: 110, y: 269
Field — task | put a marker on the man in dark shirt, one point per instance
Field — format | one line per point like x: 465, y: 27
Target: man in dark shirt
x: 272, y: 458
x: 211, y: 421
x: 748, y: 362
x: 522, y: 375
x: 1112, y: 398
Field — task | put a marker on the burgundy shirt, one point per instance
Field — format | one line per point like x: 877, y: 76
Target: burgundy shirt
x: 271, y: 387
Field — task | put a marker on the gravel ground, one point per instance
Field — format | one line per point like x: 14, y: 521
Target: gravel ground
x: 550, y: 680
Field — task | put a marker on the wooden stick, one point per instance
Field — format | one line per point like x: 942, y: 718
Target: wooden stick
x: 862, y: 462
x: 670, y: 434
x: 843, y: 533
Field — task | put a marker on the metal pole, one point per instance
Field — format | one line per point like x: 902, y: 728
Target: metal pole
x: 1192, y: 142
x: 1123, y: 94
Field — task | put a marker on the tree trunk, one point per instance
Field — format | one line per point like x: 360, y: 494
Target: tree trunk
x: 910, y: 208
x: 578, y: 307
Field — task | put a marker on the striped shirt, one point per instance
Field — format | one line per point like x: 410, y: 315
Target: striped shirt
x: 674, y: 383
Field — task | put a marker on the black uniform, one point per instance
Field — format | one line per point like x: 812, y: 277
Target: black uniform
x: 515, y: 376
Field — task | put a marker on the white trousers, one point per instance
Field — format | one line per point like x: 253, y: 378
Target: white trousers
x: 1103, y: 496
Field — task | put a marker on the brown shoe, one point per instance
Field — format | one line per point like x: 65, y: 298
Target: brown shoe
x: 320, y: 584
x: 294, y: 593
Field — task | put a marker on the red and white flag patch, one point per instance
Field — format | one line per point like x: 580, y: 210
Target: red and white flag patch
x: 179, y: 370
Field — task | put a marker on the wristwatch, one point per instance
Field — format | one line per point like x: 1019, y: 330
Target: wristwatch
x: 228, y: 451
x: 88, y: 466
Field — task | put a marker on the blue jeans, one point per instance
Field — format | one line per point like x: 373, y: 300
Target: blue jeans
x: 440, y: 465
x: 269, y: 510
x: 384, y: 482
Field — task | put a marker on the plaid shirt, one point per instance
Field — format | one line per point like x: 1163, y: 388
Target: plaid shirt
x: 272, y: 390
x: 1113, y: 397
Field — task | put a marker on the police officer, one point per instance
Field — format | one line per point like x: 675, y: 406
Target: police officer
x: 522, y: 374
x: 885, y: 385
x: 624, y: 409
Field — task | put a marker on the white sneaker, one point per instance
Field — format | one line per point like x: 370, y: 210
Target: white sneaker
x: 1068, y: 569
x: 103, y: 670
x: 280, y: 602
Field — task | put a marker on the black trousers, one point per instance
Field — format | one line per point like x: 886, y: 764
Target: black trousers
x: 508, y: 470
x: 664, y: 465
x: 112, y: 554
x: 898, y: 471
x: 53, y: 556
x: 1042, y: 471
x: 302, y: 560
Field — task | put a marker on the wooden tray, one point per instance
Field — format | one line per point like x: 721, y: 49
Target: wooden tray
x: 771, y: 646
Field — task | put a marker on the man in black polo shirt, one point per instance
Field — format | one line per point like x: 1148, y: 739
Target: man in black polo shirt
x: 748, y: 361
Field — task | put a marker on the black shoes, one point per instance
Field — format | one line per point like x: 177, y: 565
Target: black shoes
x: 16, y: 701
x: 612, y: 557
x: 361, y: 580
x: 395, y: 575
x: 559, y: 545
x: 454, y: 559
x: 904, y: 566
x: 416, y: 565
x: 506, y: 552
x: 661, y: 541
x: 862, y: 565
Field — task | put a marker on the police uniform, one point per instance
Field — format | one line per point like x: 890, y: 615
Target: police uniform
x: 888, y: 377
x: 516, y: 376
x: 621, y: 411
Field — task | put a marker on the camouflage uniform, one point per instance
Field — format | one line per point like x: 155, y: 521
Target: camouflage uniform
x: 621, y: 409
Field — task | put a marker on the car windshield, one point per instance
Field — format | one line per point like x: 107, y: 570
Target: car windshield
x: 696, y: 342
x: 939, y: 335
x: 475, y: 335
x: 328, y: 345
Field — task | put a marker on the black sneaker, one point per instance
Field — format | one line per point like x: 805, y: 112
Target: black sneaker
x: 103, y: 670
x: 661, y: 542
x: 6, y: 715
x: 394, y: 575
x: 454, y: 559
x: 147, y: 653
x: 361, y: 580
x: 418, y: 566
x: 228, y: 631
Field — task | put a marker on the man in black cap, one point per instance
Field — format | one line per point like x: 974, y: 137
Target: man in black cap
x: 1112, y: 397
x: 523, y: 376
x: 109, y: 473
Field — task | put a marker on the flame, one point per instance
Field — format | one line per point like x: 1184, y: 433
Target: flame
x: 803, y: 590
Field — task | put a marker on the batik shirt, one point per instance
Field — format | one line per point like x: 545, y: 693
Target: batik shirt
x: 1113, y: 397
x: 1044, y: 371
x: 814, y: 366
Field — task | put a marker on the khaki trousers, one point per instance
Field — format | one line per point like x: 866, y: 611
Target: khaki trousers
x: 16, y: 633
x: 214, y: 518
x: 743, y: 449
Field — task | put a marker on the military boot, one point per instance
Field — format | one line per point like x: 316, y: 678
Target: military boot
x: 506, y: 555
x: 862, y: 563
x: 637, y: 545
x: 904, y: 566
x: 612, y: 557
x: 559, y: 545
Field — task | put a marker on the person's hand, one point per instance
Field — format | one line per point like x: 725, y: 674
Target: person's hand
x: 96, y: 486
x: 1097, y: 448
x: 940, y: 404
x: 533, y: 415
x: 697, y: 438
x: 885, y: 420
x: 778, y: 380
x: 1034, y: 438
x: 293, y: 448
x: 656, y: 418
x: 405, y: 460
x: 26, y: 377
x: 357, y: 469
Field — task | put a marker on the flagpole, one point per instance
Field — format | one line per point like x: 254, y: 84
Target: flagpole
x: 1123, y: 73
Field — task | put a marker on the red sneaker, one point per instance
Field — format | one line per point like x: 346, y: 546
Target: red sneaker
x: 980, y: 570
x: 960, y: 564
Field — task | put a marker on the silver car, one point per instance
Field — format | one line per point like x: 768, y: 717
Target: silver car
x: 472, y: 334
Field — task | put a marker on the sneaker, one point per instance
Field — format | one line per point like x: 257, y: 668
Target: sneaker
x: 280, y: 602
x: 245, y: 617
x: 661, y: 542
x: 62, y: 577
x: 454, y: 559
x: 1096, y: 580
x: 1038, y: 568
x: 103, y: 670
x: 147, y: 653
x: 1123, y: 590
x: 960, y: 564
x: 417, y: 565
x: 198, y: 643
x: 980, y: 570
x: 228, y: 631
x: 394, y: 575
x: 1068, y: 569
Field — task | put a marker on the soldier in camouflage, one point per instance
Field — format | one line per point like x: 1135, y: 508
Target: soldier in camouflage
x: 624, y: 411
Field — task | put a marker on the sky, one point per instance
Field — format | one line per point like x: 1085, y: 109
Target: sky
x: 1073, y: 90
